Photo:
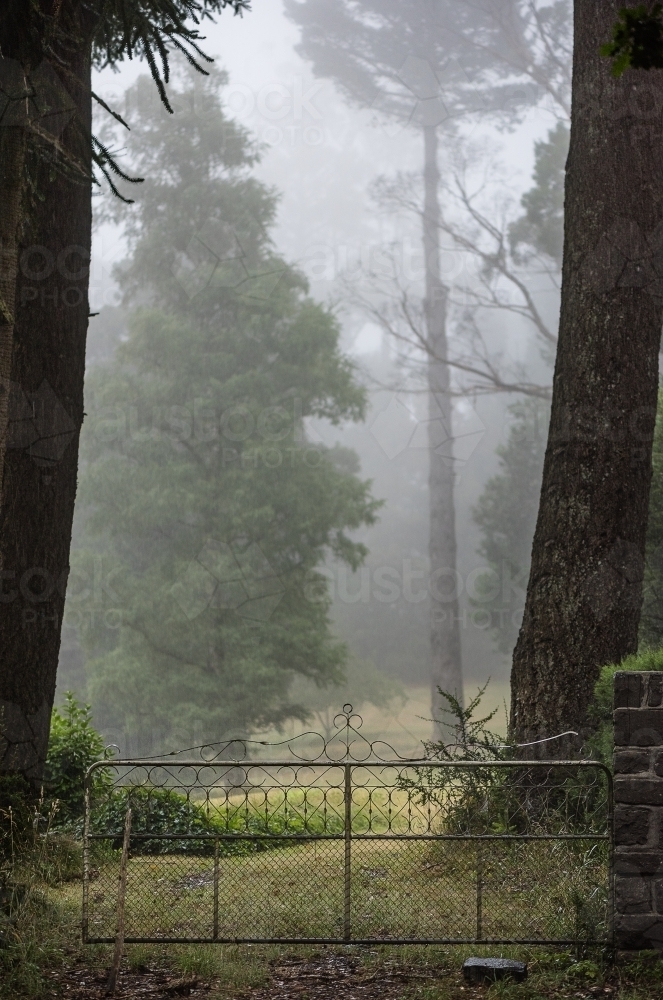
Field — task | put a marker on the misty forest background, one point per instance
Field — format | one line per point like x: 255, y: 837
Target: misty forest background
x: 250, y: 376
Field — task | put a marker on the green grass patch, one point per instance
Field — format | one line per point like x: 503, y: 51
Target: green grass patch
x: 400, y: 889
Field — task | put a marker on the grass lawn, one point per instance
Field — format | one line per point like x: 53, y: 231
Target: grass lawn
x: 46, y: 958
x: 399, y: 889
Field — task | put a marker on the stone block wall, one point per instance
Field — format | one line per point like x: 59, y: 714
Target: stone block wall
x: 638, y: 823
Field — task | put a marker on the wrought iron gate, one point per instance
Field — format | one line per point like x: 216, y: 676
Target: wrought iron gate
x: 342, y: 841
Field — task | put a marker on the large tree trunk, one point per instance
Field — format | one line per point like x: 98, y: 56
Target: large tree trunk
x: 447, y: 673
x: 13, y: 146
x: 585, y: 588
x: 46, y: 413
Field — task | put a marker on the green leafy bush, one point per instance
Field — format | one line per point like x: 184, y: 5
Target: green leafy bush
x: 155, y: 811
x: 493, y: 798
x: 74, y: 745
x: 164, y: 811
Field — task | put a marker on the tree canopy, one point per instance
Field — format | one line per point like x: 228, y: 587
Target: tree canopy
x: 637, y: 39
x: 429, y: 62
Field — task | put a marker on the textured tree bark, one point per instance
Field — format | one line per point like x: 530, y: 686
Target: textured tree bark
x: 585, y: 588
x: 13, y: 144
x: 447, y: 673
x: 46, y: 414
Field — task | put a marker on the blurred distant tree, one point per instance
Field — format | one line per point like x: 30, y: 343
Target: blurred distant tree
x: 507, y: 257
x: 207, y: 505
x: 427, y: 64
x: 541, y: 227
x: 506, y: 510
x: 506, y: 515
x: 364, y: 685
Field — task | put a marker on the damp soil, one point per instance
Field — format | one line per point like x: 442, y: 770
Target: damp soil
x: 157, y: 984
x: 327, y: 976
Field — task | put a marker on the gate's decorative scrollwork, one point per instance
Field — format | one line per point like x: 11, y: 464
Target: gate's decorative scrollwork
x: 346, y: 744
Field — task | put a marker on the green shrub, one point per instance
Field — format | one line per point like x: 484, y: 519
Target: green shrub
x: 494, y: 799
x: 160, y: 811
x: 17, y: 809
x: 73, y: 746
x: 471, y: 801
x: 155, y: 811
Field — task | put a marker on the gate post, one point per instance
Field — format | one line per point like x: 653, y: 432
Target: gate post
x: 638, y: 818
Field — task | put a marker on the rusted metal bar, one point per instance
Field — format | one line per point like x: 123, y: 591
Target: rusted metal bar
x: 305, y: 838
x: 358, y: 940
x: 347, y: 881
x: 479, y: 892
x: 121, y: 902
x: 215, y: 932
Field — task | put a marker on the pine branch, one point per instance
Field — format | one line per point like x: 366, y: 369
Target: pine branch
x: 119, y: 118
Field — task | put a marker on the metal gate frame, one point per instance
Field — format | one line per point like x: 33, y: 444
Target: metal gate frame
x: 348, y: 837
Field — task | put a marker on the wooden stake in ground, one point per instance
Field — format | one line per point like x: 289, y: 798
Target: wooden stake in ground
x: 121, y: 898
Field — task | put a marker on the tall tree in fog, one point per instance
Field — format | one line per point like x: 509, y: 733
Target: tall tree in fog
x: 585, y: 588
x: 47, y: 158
x: 508, y: 256
x: 426, y: 63
x: 208, y: 506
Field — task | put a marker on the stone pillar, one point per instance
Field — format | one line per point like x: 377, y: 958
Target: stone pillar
x: 638, y: 826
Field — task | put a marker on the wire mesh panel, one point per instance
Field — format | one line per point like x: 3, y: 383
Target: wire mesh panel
x: 340, y: 850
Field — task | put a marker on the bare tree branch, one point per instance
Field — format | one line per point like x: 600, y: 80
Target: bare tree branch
x: 401, y: 317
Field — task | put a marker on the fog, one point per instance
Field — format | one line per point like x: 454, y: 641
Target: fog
x: 343, y: 227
